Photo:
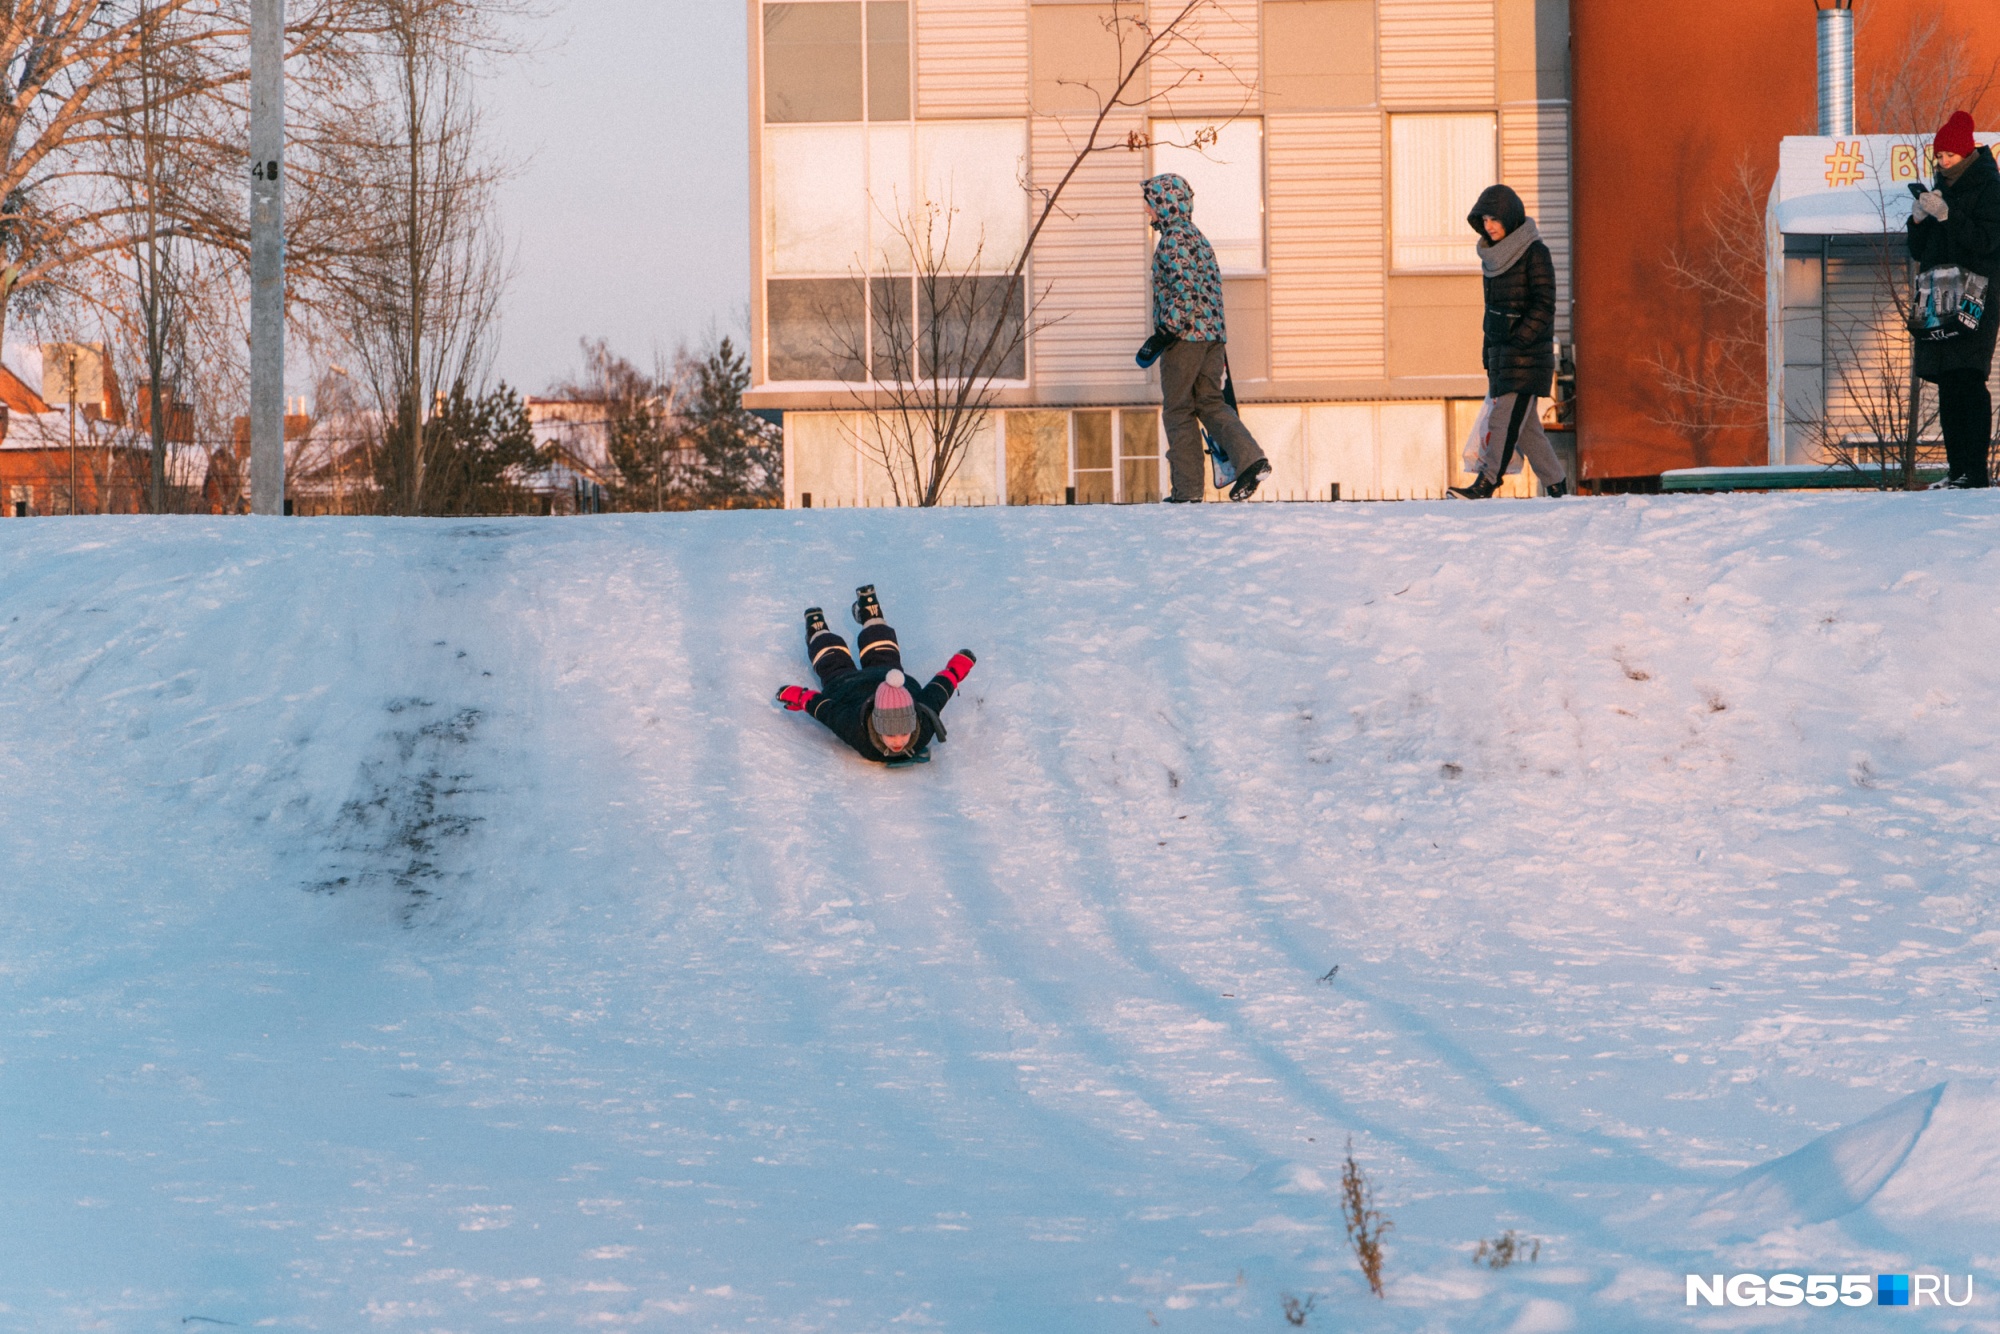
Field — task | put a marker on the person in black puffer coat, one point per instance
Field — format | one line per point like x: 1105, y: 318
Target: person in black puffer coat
x: 1520, y: 350
x: 1957, y: 222
x: 866, y: 703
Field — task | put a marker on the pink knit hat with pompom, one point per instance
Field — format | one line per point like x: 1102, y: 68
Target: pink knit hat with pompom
x: 895, y: 710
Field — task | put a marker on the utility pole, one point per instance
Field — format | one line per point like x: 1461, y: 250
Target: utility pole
x: 267, y: 257
x: 69, y: 369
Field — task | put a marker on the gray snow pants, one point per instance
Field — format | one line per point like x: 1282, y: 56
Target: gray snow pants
x: 1517, y: 425
x: 1191, y: 398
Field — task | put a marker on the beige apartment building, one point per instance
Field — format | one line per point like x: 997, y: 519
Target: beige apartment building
x: 1334, y: 147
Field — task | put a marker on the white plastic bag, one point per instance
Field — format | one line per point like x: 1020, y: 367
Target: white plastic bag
x: 1475, y: 443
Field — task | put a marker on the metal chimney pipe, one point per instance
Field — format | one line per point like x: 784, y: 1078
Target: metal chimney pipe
x: 1836, y: 67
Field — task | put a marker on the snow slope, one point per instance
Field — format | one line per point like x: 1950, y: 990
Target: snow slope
x: 430, y: 926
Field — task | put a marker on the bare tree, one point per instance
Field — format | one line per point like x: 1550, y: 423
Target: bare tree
x: 637, y: 413
x: 1712, y: 383
x: 177, y: 301
x: 332, y: 468
x: 121, y: 193
x: 679, y: 437
x: 169, y: 280
x: 939, y: 350
x: 1883, y: 417
x: 1936, y: 75
x: 72, y: 77
x: 425, y: 272
x: 939, y: 344
x: 1713, y: 379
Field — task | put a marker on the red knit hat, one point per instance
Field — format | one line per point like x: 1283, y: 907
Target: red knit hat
x: 1956, y: 136
x: 895, y: 710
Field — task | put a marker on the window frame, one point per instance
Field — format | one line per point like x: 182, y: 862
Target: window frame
x: 869, y: 267
x: 867, y: 85
x: 1116, y: 492
x: 1469, y: 264
x: 1263, y: 173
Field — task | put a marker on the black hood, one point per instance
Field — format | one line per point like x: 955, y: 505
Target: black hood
x: 1498, y: 201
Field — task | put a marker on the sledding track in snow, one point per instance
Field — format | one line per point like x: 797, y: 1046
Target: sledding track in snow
x: 433, y: 924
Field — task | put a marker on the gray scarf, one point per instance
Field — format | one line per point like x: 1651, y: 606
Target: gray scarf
x: 1498, y: 257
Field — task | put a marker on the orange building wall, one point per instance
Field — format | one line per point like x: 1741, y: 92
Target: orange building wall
x: 47, y: 473
x: 1668, y: 99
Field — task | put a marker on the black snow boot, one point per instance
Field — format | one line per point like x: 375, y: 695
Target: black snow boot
x: 815, y: 623
x: 1479, y: 490
x: 1246, y: 485
x: 866, y: 608
x: 1559, y: 490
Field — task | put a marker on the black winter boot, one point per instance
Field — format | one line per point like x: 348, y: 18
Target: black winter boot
x: 815, y: 623
x: 1246, y: 485
x: 866, y: 608
x: 1480, y: 489
x: 1559, y: 490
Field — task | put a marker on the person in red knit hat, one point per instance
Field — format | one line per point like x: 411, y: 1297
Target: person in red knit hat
x: 868, y: 704
x: 1954, y: 237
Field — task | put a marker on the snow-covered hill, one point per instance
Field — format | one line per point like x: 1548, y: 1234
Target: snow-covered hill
x: 431, y: 926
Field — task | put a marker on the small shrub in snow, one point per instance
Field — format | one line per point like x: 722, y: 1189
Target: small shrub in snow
x: 1296, y: 1311
x: 1508, y: 1247
x: 1365, y: 1223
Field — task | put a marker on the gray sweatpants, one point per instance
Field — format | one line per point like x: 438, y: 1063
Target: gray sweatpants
x: 1191, y: 398
x: 1516, y: 426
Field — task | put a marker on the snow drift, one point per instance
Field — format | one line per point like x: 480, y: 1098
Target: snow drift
x: 1928, y: 1164
x: 431, y: 926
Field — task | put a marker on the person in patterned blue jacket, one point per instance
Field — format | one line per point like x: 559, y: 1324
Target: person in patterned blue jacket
x: 1192, y: 347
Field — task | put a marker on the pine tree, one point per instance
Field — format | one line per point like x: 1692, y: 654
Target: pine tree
x: 479, y: 449
x: 741, y: 454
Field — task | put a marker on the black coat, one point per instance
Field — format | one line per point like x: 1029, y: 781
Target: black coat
x: 1969, y: 238
x: 1520, y: 350
x: 848, y: 704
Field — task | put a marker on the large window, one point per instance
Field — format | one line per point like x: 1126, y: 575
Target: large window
x: 1094, y: 463
x: 1115, y: 456
x: 1225, y: 165
x: 836, y: 60
x: 1138, y: 456
x: 860, y: 204
x: 816, y: 329
x: 1438, y: 165
x: 886, y: 247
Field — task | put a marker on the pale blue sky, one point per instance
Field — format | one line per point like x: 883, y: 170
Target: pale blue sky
x: 629, y: 214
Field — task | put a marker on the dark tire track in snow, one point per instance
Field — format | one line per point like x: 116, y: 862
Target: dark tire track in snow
x: 1232, y: 853
x: 431, y: 779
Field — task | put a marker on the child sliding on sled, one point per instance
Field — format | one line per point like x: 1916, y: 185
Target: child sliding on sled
x: 868, y: 704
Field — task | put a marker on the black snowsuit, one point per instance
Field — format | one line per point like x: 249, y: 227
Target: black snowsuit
x: 847, y: 690
x: 1959, y: 367
x: 1520, y: 350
